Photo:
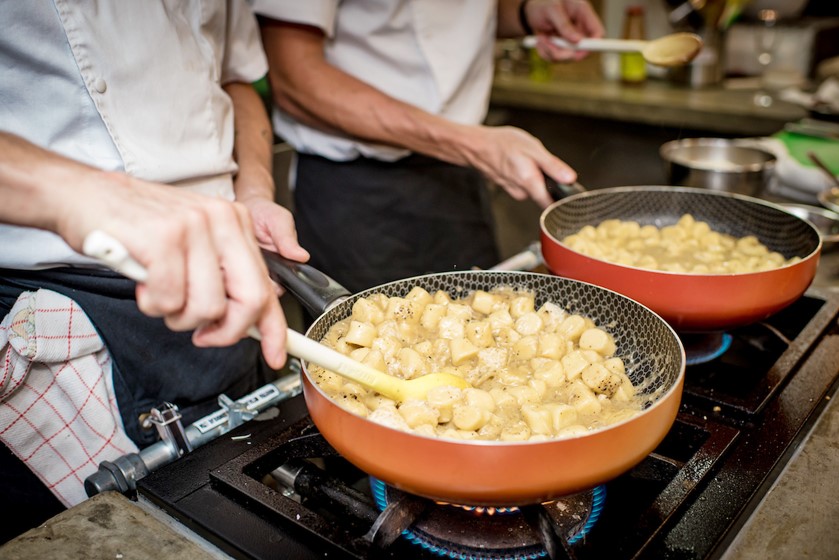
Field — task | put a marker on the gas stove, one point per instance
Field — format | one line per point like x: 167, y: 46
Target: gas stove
x: 274, y: 488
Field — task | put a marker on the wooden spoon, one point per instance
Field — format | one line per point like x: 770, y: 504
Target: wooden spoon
x: 676, y: 49
x: 113, y: 254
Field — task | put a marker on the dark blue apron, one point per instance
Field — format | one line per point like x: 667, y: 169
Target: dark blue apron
x: 151, y: 364
x: 367, y: 222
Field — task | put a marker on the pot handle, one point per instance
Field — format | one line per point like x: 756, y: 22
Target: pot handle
x: 314, y: 289
x: 561, y: 190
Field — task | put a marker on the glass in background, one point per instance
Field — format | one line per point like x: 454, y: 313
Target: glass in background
x: 511, y: 59
x: 766, y: 38
x: 633, y: 66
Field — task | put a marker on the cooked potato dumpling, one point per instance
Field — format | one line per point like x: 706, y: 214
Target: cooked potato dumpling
x: 536, y: 373
x: 686, y: 247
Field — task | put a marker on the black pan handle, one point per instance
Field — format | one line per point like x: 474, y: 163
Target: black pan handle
x: 561, y: 190
x: 314, y: 289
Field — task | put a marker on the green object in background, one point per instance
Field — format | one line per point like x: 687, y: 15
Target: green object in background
x: 799, y: 144
x: 633, y: 68
x: 540, y: 69
x: 263, y: 88
x: 730, y: 13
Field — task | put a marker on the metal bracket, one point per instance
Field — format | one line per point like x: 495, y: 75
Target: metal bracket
x: 123, y: 472
x: 167, y: 420
x: 237, y: 412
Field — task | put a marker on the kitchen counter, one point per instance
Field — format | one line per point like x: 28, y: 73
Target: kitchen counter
x: 611, y: 133
x: 797, y: 518
x: 109, y: 526
x: 724, y: 109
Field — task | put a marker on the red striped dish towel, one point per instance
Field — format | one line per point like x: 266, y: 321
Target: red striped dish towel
x: 58, y: 412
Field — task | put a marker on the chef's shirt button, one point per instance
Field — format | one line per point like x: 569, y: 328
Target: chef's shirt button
x: 100, y: 85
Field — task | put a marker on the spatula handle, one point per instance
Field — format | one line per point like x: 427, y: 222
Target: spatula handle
x: 599, y: 45
x: 316, y: 353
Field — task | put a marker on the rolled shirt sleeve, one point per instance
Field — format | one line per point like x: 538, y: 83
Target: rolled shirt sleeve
x: 317, y: 13
x: 244, y: 59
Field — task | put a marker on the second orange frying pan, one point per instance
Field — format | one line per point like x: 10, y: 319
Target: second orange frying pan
x: 689, y: 302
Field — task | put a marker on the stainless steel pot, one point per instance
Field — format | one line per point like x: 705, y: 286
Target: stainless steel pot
x: 717, y: 164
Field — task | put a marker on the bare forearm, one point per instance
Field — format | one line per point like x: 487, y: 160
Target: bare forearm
x: 322, y: 96
x: 252, y: 144
x: 317, y: 94
x: 273, y: 225
x: 204, y: 267
x: 509, y: 24
x: 377, y: 117
x: 39, y: 186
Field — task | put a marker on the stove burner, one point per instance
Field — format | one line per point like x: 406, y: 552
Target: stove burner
x: 701, y: 348
x: 481, y: 533
x: 483, y: 510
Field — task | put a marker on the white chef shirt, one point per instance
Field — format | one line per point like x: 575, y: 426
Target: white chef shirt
x: 434, y: 54
x: 124, y: 86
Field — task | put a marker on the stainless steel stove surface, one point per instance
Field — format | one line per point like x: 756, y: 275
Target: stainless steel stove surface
x: 276, y: 489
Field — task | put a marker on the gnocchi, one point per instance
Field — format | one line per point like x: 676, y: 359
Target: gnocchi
x: 535, y: 373
x: 688, y: 247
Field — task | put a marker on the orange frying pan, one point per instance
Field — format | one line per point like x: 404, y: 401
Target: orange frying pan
x: 689, y: 302
x: 501, y: 473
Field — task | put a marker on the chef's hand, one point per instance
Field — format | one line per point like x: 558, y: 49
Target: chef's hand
x: 515, y: 160
x: 274, y: 228
x: 205, y: 269
x: 571, y: 20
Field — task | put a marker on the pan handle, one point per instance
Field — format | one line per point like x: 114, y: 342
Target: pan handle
x: 561, y: 190
x: 316, y: 291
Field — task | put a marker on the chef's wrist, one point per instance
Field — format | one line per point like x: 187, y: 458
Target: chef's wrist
x: 255, y: 183
x: 97, y: 196
x: 451, y: 141
x: 523, y: 21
